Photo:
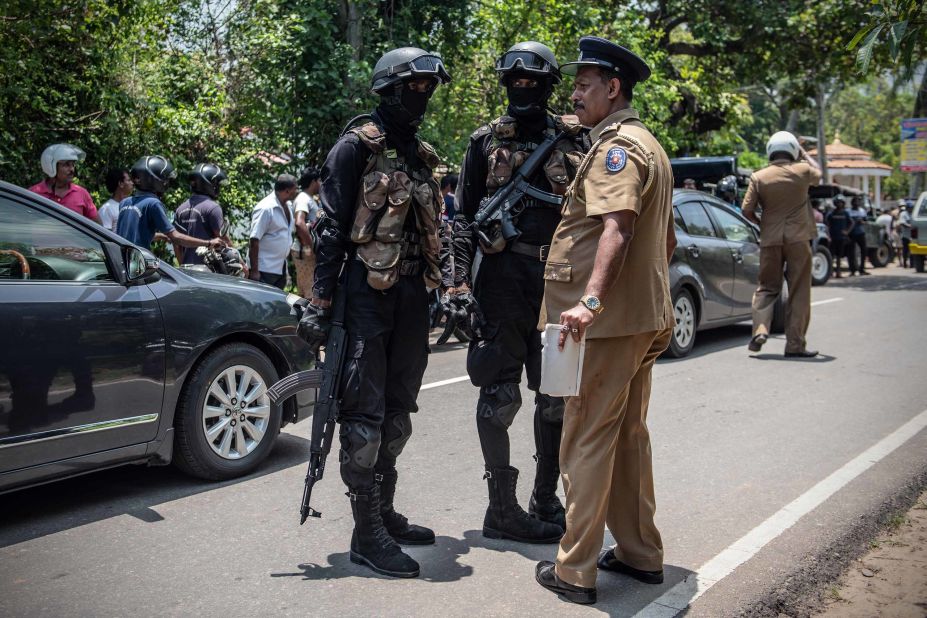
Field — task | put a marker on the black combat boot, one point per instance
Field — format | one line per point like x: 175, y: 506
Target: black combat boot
x: 396, y: 524
x: 545, y: 504
x: 505, y: 519
x: 371, y: 544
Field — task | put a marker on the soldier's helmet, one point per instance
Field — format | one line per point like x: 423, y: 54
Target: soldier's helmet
x: 152, y: 173
x: 529, y: 57
x: 407, y: 63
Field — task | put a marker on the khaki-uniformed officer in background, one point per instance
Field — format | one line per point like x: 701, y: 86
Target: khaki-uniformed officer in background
x: 607, y: 277
x: 786, y: 231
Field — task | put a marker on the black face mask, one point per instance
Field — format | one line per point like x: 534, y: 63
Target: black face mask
x: 415, y: 104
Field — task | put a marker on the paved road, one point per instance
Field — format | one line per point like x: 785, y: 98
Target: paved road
x: 735, y: 438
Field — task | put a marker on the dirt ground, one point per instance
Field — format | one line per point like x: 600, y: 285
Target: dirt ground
x: 891, y: 579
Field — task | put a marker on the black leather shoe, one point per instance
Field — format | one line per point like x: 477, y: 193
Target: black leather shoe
x: 802, y: 354
x: 608, y: 562
x: 756, y: 344
x: 545, y: 575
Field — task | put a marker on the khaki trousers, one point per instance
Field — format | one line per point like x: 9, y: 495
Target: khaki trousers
x: 796, y: 257
x: 605, y: 459
x: 305, y: 271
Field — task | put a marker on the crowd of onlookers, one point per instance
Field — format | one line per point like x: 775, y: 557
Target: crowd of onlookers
x: 846, y: 225
x: 281, y: 222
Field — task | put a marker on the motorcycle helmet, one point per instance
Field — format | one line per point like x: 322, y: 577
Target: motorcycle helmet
x: 59, y: 152
x: 153, y: 174
x: 207, y: 178
x: 783, y: 141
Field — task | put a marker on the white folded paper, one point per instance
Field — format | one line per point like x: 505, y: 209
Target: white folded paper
x: 561, y: 370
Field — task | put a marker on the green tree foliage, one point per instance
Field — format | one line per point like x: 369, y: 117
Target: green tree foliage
x: 265, y: 86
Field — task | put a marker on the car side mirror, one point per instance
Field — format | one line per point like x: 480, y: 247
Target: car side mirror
x: 139, y: 267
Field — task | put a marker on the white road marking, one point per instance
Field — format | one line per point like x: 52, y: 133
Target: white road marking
x: 425, y: 387
x: 683, y: 594
x: 825, y: 301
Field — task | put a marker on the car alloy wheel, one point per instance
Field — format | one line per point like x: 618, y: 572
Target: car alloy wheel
x: 820, y: 267
x: 236, y: 412
x: 685, y: 321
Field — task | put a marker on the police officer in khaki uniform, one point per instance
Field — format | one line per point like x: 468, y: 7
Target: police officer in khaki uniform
x: 607, y: 278
x: 786, y: 231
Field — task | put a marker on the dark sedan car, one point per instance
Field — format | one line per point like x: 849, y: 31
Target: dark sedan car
x: 714, y: 270
x: 109, y: 357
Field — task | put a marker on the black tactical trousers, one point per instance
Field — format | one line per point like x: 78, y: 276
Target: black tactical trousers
x: 385, y: 360
x: 509, y: 289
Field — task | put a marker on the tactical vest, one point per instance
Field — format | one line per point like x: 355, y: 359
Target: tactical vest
x: 390, y: 190
x: 504, y: 154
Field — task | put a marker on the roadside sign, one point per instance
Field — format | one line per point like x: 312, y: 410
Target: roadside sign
x: 914, y: 145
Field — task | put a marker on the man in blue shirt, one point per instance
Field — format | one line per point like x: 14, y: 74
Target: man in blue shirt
x: 143, y: 214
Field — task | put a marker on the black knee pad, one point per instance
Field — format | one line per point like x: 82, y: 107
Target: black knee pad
x: 397, y: 429
x: 498, y: 404
x: 550, y: 408
x: 360, y: 443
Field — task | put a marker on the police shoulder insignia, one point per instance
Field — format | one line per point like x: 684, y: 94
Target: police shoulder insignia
x: 616, y: 159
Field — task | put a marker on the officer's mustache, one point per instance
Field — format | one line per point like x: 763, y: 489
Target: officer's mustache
x: 578, y: 105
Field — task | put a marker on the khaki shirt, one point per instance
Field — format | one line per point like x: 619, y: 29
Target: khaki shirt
x: 626, y: 169
x: 781, y: 190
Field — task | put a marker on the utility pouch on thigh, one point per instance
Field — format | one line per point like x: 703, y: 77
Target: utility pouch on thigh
x: 389, y: 228
x: 381, y: 260
x: 373, y: 198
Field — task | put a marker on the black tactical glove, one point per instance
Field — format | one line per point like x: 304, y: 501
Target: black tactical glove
x: 470, y: 312
x: 314, y: 326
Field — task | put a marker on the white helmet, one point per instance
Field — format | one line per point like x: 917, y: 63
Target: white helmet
x: 59, y: 152
x: 783, y: 141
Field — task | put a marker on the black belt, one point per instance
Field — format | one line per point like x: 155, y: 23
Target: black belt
x: 539, y: 252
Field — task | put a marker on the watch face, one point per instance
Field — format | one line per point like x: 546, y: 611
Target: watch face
x: 592, y: 302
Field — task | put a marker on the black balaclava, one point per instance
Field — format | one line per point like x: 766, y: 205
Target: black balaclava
x: 402, y: 111
x: 529, y: 105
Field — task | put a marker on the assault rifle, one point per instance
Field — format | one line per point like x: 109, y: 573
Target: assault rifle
x: 505, y: 204
x: 327, y: 405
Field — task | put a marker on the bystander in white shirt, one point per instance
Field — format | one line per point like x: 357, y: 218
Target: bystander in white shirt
x: 109, y: 214
x: 271, y: 227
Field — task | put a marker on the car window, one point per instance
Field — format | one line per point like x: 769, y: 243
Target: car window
x: 733, y: 228
x: 677, y: 219
x: 696, y: 219
x: 36, y: 246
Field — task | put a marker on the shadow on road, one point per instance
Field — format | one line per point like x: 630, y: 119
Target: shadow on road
x: 475, y: 538
x: 439, y: 563
x: 127, y: 490
x: 820, y: 358
x: 878, y: 282
x: 715, y: 340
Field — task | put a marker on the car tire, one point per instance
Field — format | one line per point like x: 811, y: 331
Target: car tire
x: 213, y: 444
x: 822, y: 264
x: 880, y: 256
x: 683, y: 337
x: 918, y: 261
x: 777, y: 326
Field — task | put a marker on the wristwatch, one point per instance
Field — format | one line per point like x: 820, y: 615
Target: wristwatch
x: 592, y: 303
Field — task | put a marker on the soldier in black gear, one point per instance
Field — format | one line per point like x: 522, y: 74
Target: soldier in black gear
x: 510, y: 286
x: 381, y: 210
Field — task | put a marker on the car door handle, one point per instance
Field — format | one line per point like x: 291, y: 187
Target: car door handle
x: 738, y: 256
x: 693, y: 250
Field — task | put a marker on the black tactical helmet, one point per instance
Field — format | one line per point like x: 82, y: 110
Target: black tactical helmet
x: 206, y: 178
x: 152, y: 173
x: 529, y: 57
x: 407, y: 63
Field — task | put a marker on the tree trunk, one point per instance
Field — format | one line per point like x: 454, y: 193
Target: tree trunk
x: 791, y: 125
x: 919, y: 180
x: 822, y: 138
x: 350, y: 15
